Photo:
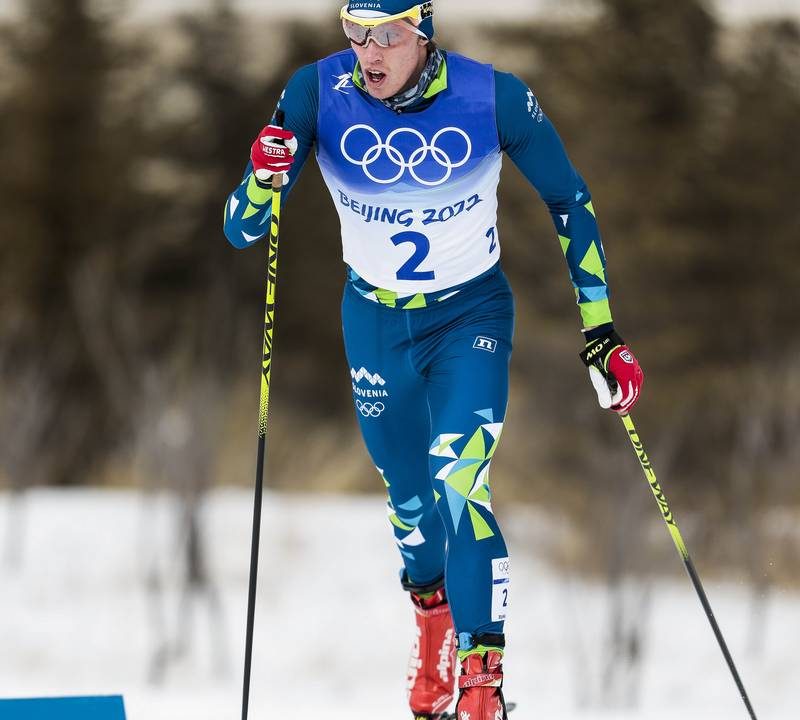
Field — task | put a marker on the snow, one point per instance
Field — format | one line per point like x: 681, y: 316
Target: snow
x: 332, y: 627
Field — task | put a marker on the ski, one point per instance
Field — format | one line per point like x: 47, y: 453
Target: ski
x: 452, y: 716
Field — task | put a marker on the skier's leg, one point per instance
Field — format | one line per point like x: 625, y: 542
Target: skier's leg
x: 468, y: 394
x: 392, y: 411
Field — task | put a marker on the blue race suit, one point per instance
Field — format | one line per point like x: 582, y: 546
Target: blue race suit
x: 427, y: 312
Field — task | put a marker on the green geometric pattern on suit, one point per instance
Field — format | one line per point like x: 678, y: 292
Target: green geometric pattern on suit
x: 466, y: 476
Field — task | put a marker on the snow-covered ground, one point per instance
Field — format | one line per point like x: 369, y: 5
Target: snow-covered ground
x: 332, y: 629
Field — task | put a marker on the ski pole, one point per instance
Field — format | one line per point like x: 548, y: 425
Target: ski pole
x: 672, y: 526
x: 266, y: 366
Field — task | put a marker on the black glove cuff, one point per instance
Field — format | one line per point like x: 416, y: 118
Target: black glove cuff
x: 598, y: 332
x: 598, y: 349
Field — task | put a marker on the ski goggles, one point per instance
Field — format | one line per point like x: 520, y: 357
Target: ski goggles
x: 387, y: 30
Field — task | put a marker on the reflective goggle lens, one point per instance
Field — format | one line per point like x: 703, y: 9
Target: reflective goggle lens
x: 385, y: 35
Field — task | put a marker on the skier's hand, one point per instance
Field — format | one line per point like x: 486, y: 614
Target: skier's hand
x: 273, y: 153
x: 614, y: 372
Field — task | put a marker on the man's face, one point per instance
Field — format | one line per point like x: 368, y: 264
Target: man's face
x: 391, y: 70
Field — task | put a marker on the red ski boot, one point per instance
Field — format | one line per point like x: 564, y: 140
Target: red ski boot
x: 431, y: 668
x: 481, y: 681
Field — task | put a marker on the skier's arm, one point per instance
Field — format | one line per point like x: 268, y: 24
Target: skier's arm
x: 533, y: 144
x: 249, y: 206
x: 531, y: 141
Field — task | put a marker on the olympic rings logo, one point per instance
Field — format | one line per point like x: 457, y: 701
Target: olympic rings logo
x: 368, y: 410
x: 418, y: 157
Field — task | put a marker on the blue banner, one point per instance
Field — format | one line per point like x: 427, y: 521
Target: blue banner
x: 75, y: 708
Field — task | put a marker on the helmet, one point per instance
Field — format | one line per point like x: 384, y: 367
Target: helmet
x: 387, y: 8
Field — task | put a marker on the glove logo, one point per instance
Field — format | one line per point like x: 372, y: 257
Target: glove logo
x: 272, y: 150
x: 406, y: 150
x: 591, y: 353
x: 627, y: 357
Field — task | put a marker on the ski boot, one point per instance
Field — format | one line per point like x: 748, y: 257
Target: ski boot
x: 431, y: 668
x: 481, y: 682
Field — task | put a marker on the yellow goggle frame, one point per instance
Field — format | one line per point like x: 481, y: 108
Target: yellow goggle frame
x: 416, y: 15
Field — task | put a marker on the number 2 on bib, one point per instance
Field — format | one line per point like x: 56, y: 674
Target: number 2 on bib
x: 422, y: 247
x: 491, y: 233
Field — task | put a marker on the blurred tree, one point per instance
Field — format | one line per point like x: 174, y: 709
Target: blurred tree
x: 687, y: 177
x: 186, y: 292
x: 118, y: 260
x: 65, y: 189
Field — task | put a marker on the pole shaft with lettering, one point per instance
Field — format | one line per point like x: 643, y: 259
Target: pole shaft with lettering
x: 263, y: 415
x: 672, y: 526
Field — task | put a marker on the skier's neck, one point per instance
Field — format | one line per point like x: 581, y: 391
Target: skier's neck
x: 419, y: 82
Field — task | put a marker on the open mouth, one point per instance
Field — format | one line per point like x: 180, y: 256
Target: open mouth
x: 375, y: 77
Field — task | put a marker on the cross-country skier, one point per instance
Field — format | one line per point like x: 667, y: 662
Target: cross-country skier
x: 409, y: 139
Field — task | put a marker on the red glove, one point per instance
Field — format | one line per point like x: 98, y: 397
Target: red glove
x: 273, y: 152
x: 624, y: 368
x: 614, y: 372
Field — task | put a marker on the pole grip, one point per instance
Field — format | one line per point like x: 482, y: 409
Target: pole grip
x: 277, y: 179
